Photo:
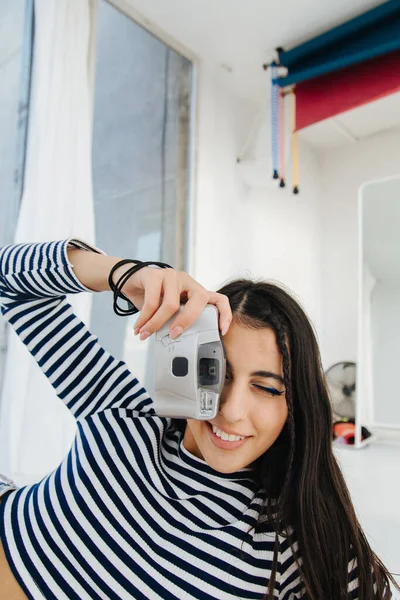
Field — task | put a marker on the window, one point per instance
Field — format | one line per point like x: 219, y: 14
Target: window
x: 16, y: 32
x: 141, y: 140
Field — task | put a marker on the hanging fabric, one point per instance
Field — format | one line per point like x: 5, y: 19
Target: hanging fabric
x: 370, y: 35
x: 335, y: 93
x: 35, y: 429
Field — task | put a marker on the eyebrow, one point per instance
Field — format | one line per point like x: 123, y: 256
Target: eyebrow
x: 266, y: 374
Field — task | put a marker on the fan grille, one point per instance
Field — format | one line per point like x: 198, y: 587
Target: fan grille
x: 341, y: 382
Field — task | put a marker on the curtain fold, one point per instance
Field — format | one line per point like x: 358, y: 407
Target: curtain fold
x: 370, y: 35
x: 35, y: 428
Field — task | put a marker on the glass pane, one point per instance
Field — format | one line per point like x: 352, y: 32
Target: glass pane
x: 16, y: 19
x: 140, y: 160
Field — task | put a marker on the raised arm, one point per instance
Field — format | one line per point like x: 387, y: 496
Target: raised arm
x: 34, y: 279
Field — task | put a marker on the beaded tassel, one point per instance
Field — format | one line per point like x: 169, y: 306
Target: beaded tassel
x: 274, y: 119
x: 281, y: 137
x: 295, y: 149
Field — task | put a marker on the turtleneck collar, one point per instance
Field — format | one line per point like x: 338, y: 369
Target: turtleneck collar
x: 199, y: 465
x: 190, y: 479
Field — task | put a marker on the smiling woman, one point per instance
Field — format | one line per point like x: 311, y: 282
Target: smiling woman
x: 271, y: 344
x: 250, y: 505
x: 250, y: 407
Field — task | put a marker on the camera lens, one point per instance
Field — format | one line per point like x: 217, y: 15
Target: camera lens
x: 208, y: 371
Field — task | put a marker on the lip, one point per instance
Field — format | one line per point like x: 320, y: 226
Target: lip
x: 224, y: 444
x: 228, y: 431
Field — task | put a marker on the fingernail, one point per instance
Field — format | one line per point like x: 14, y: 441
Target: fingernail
x: 136, y: 330
x: 175, y: 332
x: 144, y: 335
x: 224, y: 329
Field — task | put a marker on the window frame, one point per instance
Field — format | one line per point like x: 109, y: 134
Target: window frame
x: 187, y: 260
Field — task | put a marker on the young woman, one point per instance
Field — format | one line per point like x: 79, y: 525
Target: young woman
x: 251, y: 505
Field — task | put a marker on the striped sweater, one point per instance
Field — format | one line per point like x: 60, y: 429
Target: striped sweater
x: 129, y: 513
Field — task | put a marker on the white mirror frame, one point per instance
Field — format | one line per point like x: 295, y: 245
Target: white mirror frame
x: 364, y: 382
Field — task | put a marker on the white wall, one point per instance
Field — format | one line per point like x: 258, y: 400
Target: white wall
x: 344, y: 170
x: 309, y: 242
x: 266, y: 233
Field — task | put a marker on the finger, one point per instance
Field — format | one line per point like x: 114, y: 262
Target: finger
x: 152, y: 298
x: 193, y: 308
x: 169, y: 306
x: 224, y: 308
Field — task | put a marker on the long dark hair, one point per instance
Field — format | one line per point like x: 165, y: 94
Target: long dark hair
x: 306, y: 497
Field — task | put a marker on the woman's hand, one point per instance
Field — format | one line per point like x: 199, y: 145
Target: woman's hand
x: 158, y: 294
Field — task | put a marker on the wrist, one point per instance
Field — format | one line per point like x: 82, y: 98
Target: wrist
x: 93, y: 269
x: 119, y: 272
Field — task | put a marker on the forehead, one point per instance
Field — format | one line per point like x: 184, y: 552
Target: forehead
x: 250, y: 349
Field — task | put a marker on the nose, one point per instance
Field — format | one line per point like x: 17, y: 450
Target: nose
x: 233, y: 405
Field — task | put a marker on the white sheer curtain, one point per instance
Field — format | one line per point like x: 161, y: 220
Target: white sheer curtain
x: 35, y: 428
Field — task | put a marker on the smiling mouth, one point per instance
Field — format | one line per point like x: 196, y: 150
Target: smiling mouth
x: 225, y: 444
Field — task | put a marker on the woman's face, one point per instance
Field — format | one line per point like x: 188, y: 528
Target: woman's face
x: 249, y: 405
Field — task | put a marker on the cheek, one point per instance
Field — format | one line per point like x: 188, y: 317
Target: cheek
x: 271, y: 417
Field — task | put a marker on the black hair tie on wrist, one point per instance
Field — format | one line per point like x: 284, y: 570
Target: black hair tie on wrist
x: 116, y: 288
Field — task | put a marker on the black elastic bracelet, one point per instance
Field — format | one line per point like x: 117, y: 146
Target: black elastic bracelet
x: 117, y: 291
x: 116, y: 288
x: 125, y: 261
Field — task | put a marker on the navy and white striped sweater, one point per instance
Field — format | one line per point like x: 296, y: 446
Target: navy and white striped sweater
x: 129, y: 513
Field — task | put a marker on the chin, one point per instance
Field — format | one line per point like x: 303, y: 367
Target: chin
x: 224, y: 469
x: 224, y: 466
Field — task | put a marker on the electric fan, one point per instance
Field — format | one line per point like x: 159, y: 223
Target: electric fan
x: 341, y: 381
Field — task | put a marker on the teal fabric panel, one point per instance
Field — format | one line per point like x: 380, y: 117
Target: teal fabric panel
x: 368, y: 36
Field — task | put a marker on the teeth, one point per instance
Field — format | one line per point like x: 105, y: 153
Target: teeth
x: 227, y: 436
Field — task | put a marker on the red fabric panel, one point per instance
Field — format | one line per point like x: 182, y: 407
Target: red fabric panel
x: 334, y: 93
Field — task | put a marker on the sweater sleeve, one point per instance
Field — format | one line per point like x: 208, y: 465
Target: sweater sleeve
x: 34, y: 279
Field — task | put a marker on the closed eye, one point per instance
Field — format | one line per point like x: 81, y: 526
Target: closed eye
x: 269, y: 390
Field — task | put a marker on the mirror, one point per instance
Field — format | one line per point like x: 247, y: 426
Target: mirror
x: 379, y: 305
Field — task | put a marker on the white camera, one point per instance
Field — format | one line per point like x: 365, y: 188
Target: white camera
x: 189, y: 372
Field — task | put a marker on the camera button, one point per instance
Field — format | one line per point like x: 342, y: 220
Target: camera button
x: 167, y: 341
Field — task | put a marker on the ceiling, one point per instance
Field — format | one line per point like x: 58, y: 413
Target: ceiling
x: 241, y: 35
x: 381, y: 224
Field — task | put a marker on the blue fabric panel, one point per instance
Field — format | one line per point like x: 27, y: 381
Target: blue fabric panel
x: 367, y: 44
x: 345, y: 32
